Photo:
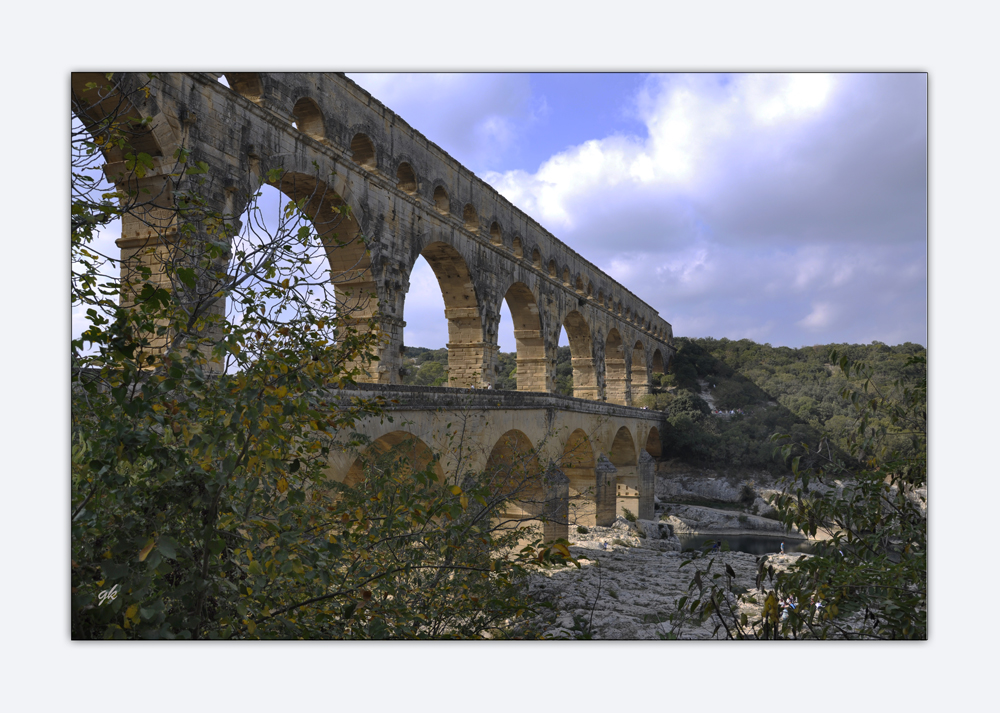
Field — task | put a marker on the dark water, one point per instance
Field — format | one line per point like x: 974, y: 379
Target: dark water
x: 754, y: 544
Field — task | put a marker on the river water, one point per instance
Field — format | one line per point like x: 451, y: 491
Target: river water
x: 754, y: 544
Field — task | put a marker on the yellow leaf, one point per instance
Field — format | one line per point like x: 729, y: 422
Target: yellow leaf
x: 251, y: 627
x: 282, y: 485
x: 562, y: 549
x: 455, y: 490
x: 146, y: 550
x: 465, y: 502
x: 133, y: 613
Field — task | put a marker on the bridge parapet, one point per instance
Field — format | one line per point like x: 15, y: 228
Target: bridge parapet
x: 432, y: 398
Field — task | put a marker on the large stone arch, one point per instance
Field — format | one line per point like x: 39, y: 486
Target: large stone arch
x: 657, y: 362
x: 639, y: 376
x: 578, y: 464
x: 581, y: 349
x: 466, y: 343
x: 532, y: 364
x: 127, y: 104
x: 615, y: 377
x: 624, y: 458
x: 623, y: 451
x: 514, y: 471
x: 654, y: 445
x: 350, y: 264
x: 398, y: 449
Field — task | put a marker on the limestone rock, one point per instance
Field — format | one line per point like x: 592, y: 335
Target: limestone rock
x: 654, y: 530
x: 629, y: 593
x: 693, y: 518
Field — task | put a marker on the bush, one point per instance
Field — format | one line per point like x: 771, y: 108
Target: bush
x: 870, y: 578
x: 200, y: 436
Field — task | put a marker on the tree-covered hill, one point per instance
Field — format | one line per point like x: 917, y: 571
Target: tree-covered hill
x: 777, y: 389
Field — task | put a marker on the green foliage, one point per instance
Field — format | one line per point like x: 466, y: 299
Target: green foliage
x: 869, y: 579
x: 506, y: 379
x: 200, y: 439
x: 629, y: 515
x: 793, y: 391
x: 563, y: 380
x: 425, y: 367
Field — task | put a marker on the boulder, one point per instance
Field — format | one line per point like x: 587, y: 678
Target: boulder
x: 654, y: 530
x: 662, y: 532
x: 693, y: 518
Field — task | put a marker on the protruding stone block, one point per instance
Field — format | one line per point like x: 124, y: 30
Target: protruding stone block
x: 606, y: 480
x: 556, y: 486
x: 647, y: 485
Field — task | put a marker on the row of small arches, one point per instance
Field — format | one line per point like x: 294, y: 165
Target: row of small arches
x: 578, y: 455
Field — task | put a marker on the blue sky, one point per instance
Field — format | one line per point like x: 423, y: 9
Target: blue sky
x: 785, y: 208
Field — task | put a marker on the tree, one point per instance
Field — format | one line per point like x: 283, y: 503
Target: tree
x: 204, y: 413
x: 869, y: 580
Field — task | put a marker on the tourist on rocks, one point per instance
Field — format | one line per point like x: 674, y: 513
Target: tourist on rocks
x: 782, y: 548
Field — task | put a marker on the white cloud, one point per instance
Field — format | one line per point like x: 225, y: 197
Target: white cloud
x: 821, y: 317
x: 760, y: 198
x: 474, y: 117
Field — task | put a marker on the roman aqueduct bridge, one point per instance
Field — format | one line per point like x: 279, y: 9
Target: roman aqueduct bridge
x: 332, y: 143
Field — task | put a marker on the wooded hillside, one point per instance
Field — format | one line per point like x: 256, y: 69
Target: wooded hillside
x: 778, y: 389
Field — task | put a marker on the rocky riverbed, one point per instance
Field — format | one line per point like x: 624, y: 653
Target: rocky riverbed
x: 631, y: 577
x: 628, y: 585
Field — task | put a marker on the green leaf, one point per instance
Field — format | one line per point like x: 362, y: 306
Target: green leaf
x: 167, y: 547
x: 187, y: 276
x: 113, y: 570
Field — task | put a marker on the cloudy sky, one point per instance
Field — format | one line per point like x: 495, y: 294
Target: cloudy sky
x: 788, y: 209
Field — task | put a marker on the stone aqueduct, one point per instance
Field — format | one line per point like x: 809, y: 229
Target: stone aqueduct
x: 334, y: 143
